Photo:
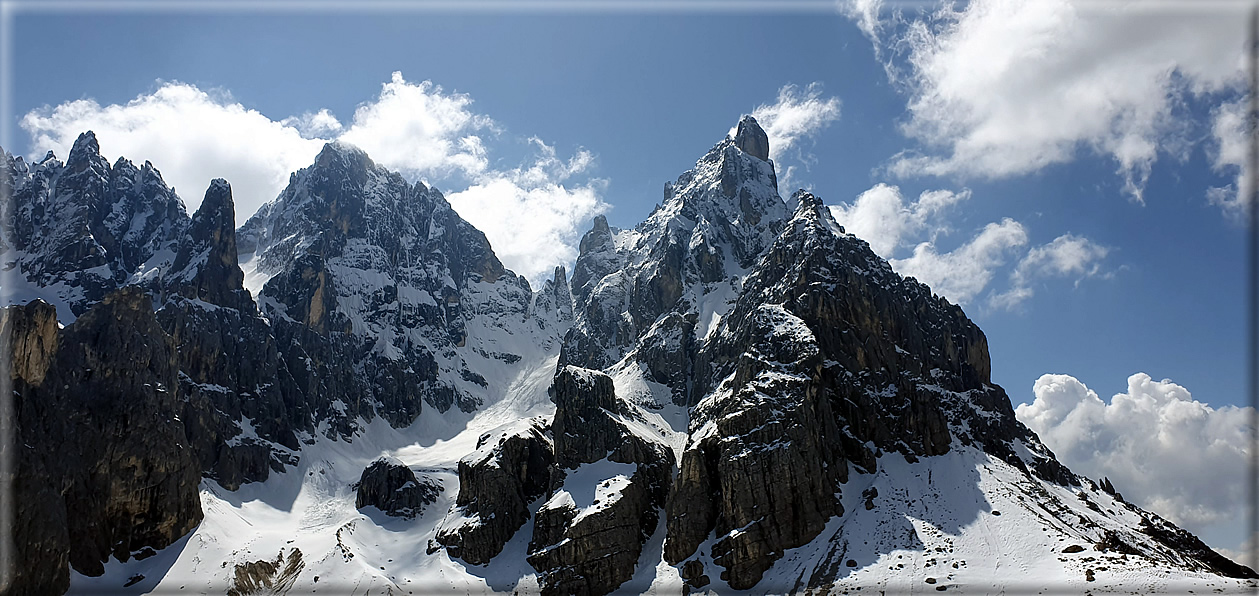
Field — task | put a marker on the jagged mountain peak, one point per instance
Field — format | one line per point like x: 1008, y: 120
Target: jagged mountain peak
x: 687, y: 257
x: 206, y: 267
x: 82, y: 229
x: 343, y: 154
x: 50, y: 157
x: 86, y: 150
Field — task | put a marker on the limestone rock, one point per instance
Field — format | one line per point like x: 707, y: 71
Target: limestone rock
x: 595, y: 549
x: 103, y: 465
x: 206, y: 267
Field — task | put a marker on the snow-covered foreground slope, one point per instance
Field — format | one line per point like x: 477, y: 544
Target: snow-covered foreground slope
x: 963, y: 522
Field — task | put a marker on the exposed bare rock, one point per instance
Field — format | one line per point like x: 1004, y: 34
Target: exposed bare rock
x: 751, y: 138
x: 267, y: 577
x: 510, y: 468
x: 594, y: 549
x: 206, y: 267
x: 103, y: 465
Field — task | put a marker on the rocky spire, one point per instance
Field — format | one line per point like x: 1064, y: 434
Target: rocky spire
x: 751, y: 138
x: 206, y: 268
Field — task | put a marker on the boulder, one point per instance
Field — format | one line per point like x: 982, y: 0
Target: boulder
x: 390, y: 486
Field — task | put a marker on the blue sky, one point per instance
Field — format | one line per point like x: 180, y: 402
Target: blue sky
x: 1103, y: 138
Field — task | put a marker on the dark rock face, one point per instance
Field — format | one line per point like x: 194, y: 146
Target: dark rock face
x: 595, y: 550
x: 767, y: 464
x: 510, y: 469
x: 270, y: 577
x: 393, y: 488
x: 206, y: 267
x: 584, y: 432
x: 1195, y: 553
x: 103, y: 465
x: 668, y: 350
x: 232, y: 377
x: 231, y: 373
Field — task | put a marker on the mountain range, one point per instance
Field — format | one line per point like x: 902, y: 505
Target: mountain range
x: 350, y: 393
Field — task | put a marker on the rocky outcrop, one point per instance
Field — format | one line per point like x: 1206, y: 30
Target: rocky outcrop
x: 103, y: 464
x: 509, y: 470
x: 553, y: 306
x: 1195, y: 553
x: 393, y: 488
x: 592, y: 548
x: 267, y: 577
x: 761, y: 468
x: 668, y: 351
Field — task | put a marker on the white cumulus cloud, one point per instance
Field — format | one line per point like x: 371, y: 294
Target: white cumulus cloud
x: 891, y: 224
x: 1162, y: 449
x: 421, y: 131
x: 1003, y: 88
x: 962, y: 274
x: 190, y: 135
x: 545, y: 217
x: 529, y: 213
x: 881, y: 217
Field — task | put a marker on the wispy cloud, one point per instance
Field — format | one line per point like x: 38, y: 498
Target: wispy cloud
x: 1067, y: 256
x: 1230, y: 144
x: 892, y: 225
x: 962, y: 274
x: 533, y: 220
x: 796, y: 116
x: 881, y: 217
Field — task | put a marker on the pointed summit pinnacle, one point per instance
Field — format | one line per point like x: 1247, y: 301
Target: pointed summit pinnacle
x: 85, y: 153
x: 751, y: 138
